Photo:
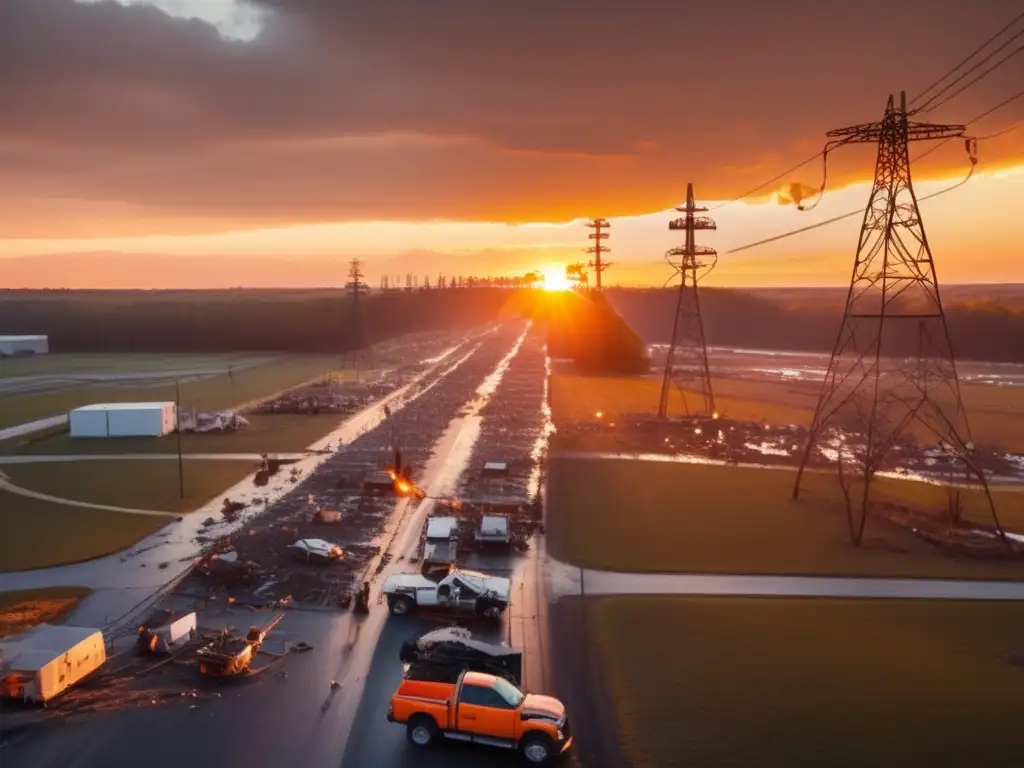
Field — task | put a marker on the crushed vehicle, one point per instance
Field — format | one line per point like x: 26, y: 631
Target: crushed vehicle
x: 455, y: 590
x: 480, y: 708
x: 316, y: 551
x: 163, y: 632
x: 457, y: 649
x: 228, y: 655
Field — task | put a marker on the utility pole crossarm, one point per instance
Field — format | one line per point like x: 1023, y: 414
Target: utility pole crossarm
x: 934, y: 131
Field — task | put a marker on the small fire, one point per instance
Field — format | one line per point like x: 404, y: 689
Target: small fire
x: 599, y: 414
x: 392, y: 474
x: 794, y: 193
x: 698, y: 431
x: 714, y: 415
x: 403, y: 487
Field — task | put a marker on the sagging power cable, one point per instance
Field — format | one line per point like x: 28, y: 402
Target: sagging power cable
x: 970, y: 146
x: 772, y: 180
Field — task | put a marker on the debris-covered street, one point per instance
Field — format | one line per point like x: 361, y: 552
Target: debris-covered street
x: 321, y: 671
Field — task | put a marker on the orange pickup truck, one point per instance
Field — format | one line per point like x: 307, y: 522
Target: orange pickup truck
x: 484, y: 709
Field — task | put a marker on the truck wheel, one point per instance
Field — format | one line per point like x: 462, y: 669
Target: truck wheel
x: 421, y: 730
x: 537, y: 748
x: 400, y: 604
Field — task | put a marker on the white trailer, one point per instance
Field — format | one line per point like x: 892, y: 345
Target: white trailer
x: 11, y: 346
x: 43, y: 662
x: 123, y: 420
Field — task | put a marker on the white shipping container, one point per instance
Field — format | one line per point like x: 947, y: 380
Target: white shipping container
x: 46, y: 660
x: 122, y: 420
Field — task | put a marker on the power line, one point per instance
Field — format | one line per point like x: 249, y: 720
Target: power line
x: 966, y: 59
x: 976, y: 118
x: 969, y: 83
x: 749, y: 192
x: 1003, y: 132
x: 849, y: 214
x: 970, y: 56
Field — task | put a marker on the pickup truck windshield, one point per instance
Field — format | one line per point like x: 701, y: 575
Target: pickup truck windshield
x: 509, y: 692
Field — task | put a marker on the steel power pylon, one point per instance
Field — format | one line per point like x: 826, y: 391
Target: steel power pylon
x: 597, y: 250
x: 876, y: 393
x: 356, y: 288
x: 686, y: 365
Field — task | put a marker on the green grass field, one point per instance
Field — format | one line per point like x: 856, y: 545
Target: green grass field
x: 72, y: 364
x: 798, y: 683
x: 996, y: 413
x: 211, y: 393
x: 628, y: 515
x: 133, y: 484
x: 37, y: 534
x: 278, y: 433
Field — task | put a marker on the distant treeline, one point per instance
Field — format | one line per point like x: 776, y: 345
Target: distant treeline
x: 733, y: 318
x: 225, y: 321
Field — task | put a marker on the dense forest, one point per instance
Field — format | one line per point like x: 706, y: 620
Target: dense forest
x: 734, y: 318
x: 223, y: 321
x: 598, y: 334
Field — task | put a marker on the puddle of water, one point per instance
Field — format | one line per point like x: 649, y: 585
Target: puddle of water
x: 467, y: 427
x: 547, y: 429
x: 766, y: 449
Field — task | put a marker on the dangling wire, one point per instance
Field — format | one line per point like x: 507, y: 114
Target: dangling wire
x: 970, y: 145
x: 824, y: 173
x: 824, y: 182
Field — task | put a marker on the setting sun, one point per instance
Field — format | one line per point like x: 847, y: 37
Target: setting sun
x: 556, y: 281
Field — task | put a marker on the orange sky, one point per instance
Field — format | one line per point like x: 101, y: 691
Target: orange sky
x: 140, y: 149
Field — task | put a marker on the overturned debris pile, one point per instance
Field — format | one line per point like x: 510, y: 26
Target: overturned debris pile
x: 255, y: 566
x: 722, y: 439
x: 331, y: 395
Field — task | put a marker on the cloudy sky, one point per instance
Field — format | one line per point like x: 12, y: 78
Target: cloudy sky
x: 221, y: 142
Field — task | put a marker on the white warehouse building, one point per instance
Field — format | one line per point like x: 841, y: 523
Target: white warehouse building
x: 24, y: 345
x: 122, y: 420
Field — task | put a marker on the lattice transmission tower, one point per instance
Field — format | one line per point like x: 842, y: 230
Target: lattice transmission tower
x: 598, y: 249
x: 892, y: 378
x: 356, y: 288
x: 686, y: 365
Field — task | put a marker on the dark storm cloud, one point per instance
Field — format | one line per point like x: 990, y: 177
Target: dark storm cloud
x: 547, y: 109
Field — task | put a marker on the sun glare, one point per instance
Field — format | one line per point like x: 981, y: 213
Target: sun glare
x: 556, y: 281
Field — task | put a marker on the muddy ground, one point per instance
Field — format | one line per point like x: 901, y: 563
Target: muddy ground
x: 760, y: 443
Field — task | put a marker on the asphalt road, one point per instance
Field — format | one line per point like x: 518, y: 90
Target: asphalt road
x: 292, y: 715
x: 376, y: 742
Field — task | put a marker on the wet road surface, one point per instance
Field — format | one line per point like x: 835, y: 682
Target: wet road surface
x: 293, y: 716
